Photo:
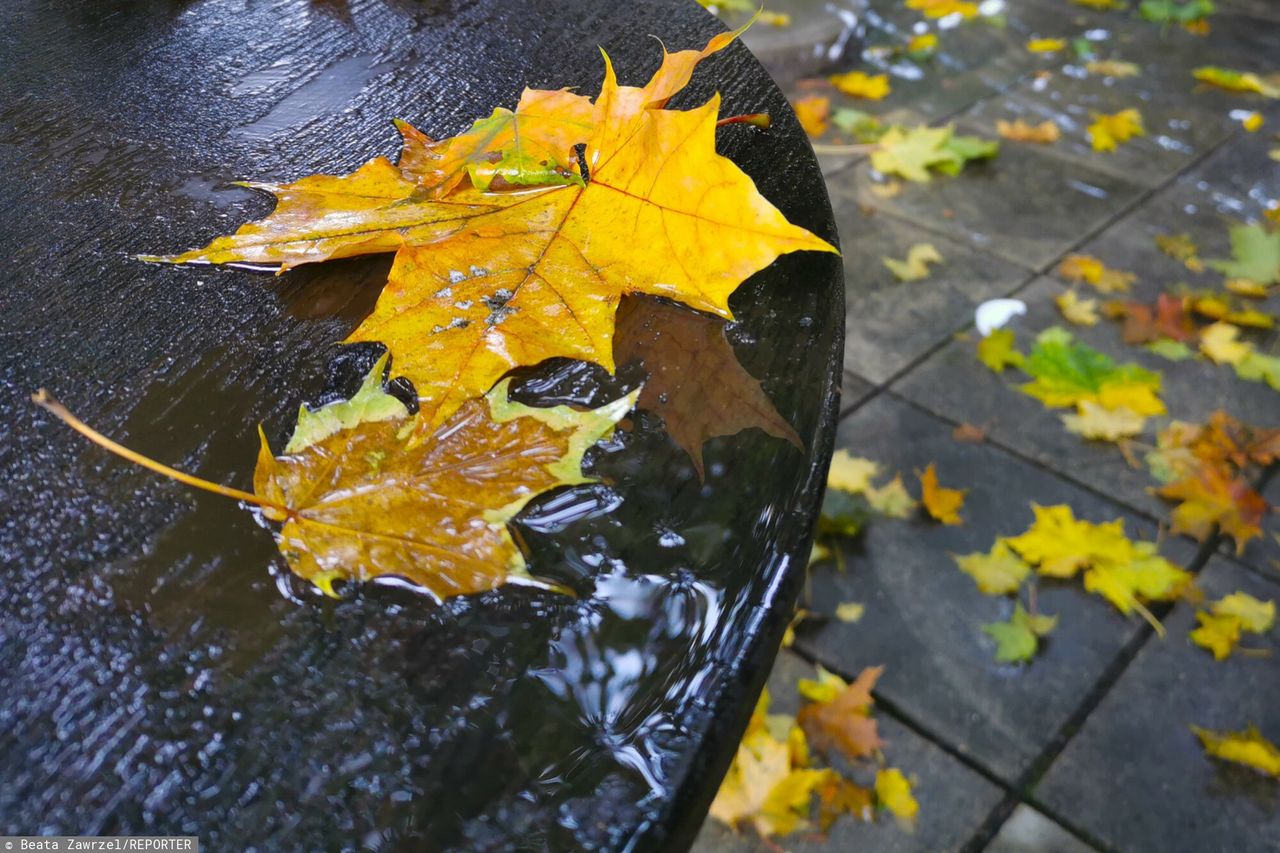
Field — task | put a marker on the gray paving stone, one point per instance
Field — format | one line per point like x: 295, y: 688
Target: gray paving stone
x: 923, y: 615
x: 1029, y: 831
x: 890, y: 323
x: 1135, y: 777
x: 1024, y: 205
x: 954, y: 384
x: 1177, y: 130
x: 853, y: 391
x: 954, y: 801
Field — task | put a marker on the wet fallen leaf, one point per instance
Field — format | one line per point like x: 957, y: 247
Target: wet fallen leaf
x: 969, y: 433
x: 1212, y: 497
x: 813, y: 112
x: 941, y: 503
x: 1093, y: 271
x: 1082, y: 312
x: 1256, y: 367
x: 1172, y: 350
x: 825, y: 688
x: 843, y: 723
x: 1248, y: 747
x: 1018, y: 640
x: 1175, y: 11
x: 864, y: 126
x: 1218, y: 634
x: 1109, y: 130
x: 893, y: 792
x: 1044, y: 133
x: 1046, y: 45
x: 1093, y: 421
x: 859, y: 84
x: 911, y: 153
x: 944, y: 8
x: 1235, y: 81
x: 923, y: 46
x: 695, y: 382
x: 1255, y: 615
x: 486, y: 281
x: 1219, y: 342
x: 1112, y: 68
x: 1246, y: 288
x: 892, y: 499
x: 1067, y: 373
x: 850, y: 611
x: 1167, y: 320
x: 1182, y: 248
x: 998, y: 350
x: 850, y: 473
x: 916, y: 265
x: 1000, y: 571
x: 1256, y: 252
x: 1252, y: 122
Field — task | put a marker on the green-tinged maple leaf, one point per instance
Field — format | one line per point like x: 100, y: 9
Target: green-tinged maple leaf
x: 843, y: 514
x: 1018, y: 639
x: 358, y: 500
x: 1067, y: 373
x: 863, y: 126
x: 1000, y: 571
x: 1256, y: 255
x: 695, y: 381
x: 1176, y: 11
x: 1171, y: 350
x: 998, y: 350
x: 1256, y: 367
x: 912, y: 152
x: 1235, y: 81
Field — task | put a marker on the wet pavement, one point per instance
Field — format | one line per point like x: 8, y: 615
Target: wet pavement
x: 1086, y: 747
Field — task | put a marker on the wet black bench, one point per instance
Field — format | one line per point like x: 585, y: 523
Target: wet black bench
x: 159, y: 672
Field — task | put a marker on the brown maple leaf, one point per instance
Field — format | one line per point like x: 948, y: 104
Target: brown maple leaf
x: 845, y: 723
x: 1212, y: 497
x: 695, y: 382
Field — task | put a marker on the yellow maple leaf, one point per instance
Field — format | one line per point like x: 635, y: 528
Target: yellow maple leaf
x: 487, y: 281
x: 893, y: 792
x: 1044, y: 133
x: 813, y: 112
x: 1218, y: 634
x: 1094, y: 421
x: 944, y: 8
x: 1218, y: 341
x: 998, y: 350
x: 1248, y: 747
x: 1082, y: 312
x: 1112, y: 68
x: 859, y: 84
x: 825, y: 688
x: 850, y: 473
x: 1000, y: 571
x: 1061, y: 545
x: 1252, y: 122
x: 1107, y: 131
x: 892, y: 499
x: 850, y: 611
x: 1045, y: 45
x: 1255, y: 615
x: 922, y: 45
x: 942, y: 504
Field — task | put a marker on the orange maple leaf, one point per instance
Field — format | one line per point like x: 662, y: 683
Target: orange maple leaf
x: 1213, y: 497
x: 942, y: 504
x: 484, y: 281
x: 845, y: 723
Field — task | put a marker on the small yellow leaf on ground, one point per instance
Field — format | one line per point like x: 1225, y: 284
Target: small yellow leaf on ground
x: 1107, y: 131
x: 1248, y: 747
x: 859, y: 84
x: 921, y: 46
x: 1218, y: 634
x: 813, y: 111
x: 1112, y: 68
x: 1022, y: 131
x: 1094, y: 272
x: 1046, y: 45
x: 893, y: 791
x: 1255, y: 615
x: 891, y: 188
x: 1093, y: 421
x: 892, y: 499
x: 997, y: 350
x: 849, y: 473
x: 1252, y: 122
x: 1219, y: 343
x: 1082, y: 312
x: 850, y: 611
x: 1182, y: 248
x: 916, y: 265
x: 825, y: 688
x: 1236, y: 81
x: 998, y: 572
x: 1244, y: 287
x: 944, y: 8
x: 942, y: 504
x: 774, y: 19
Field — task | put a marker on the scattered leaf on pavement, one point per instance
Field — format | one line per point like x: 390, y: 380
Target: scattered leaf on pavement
x: 1248, y: 747
x: 1044, y: 133
x: 1109, y: 130
x: 916, y: 265
x: 941, y: 503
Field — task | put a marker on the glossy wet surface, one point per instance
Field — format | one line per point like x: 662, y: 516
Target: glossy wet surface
x: 1087, y: 747
x: 160, y: 672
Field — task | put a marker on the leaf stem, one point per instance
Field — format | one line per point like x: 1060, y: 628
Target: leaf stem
x: 760, y: 120
x: 46, y: 401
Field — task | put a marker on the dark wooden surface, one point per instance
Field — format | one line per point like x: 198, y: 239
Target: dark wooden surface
x: 159, y: 670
